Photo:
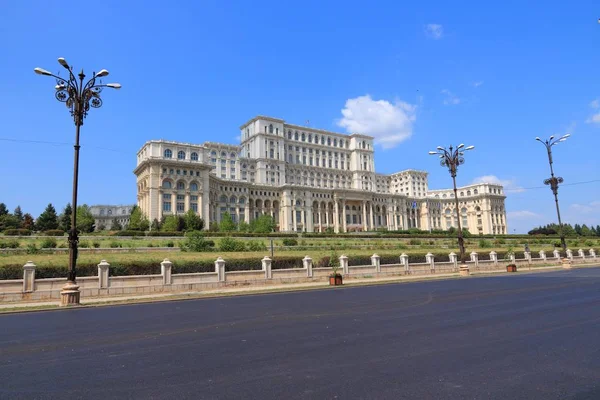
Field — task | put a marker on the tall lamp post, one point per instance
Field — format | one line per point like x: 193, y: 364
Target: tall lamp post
x: 452, y: 158
x: 554, y: 181
x: 78, y: 97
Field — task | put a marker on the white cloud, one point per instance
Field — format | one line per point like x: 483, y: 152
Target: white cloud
x: 595, y: 103
x: 508, y: 184
x: 594, y: 119
x: 238, y: 138
x: 477, y: 84
x: 523, y: 214
x: 592, y: 207
x: 435, y: 31
x: 450, y: 99
x: 388, y: 123
x: 586, y: 213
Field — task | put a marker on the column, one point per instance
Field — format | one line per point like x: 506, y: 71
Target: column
x: 364, y: 216
x: 372, y: 217
x: 294, y: 222
x: 160, y: 205
x: 303, y: 218
x: 187, y: 200
x: 395, y: 218
x: 309, y: 217
x: 327, y: 216
x: 320, y: 217
x: 336, y: 213
x: 344, y: 224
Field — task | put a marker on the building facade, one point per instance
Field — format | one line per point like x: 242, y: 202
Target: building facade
x: 106, y: 215
x: 308, y: 180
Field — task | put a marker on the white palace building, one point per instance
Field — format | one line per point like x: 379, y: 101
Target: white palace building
x: 308, y: 180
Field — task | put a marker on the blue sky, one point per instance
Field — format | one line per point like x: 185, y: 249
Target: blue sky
x: 414, y: 74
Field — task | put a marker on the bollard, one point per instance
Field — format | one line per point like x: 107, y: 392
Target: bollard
x: 165, y: 271
x: 556, y: 253
x: 266, y: 266
x: 542, y: 254
x: 570, y: 254
x: 475, y: 258
x: 376, y: 262
x: 581, y: 254
x: 220, y: 269
x: 344, y: 264
x: 453, y: 259
x: 28, y: 277
x: 494, y: 257
x: 103, y: 270
x: 404, y: 261
x: 593, y: 253
x: 429, y: 259
x: 308, y: 265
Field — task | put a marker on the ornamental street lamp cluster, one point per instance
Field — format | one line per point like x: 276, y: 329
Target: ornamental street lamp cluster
x: 78, y: 97
x: 554, y: 181
x: 451, y: 158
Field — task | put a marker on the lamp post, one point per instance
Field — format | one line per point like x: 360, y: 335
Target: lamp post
x: 452, y: 158
x: 78, y: 97
x: 554, y: 181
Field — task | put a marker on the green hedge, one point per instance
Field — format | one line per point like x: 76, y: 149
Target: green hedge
x: 17, y: 232
x: 54, y: 232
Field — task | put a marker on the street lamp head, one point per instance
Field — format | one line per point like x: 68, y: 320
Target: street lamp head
x: 41, y: 71
x: 114, y: 85
x: 63, y: 62
x: 460, y: 146
x: 433, y: 153
x: 102, y: 73
x: 440, y: 148
x: 470, y: 148
x: 59, y: 87
x: 538, y: 139
x: 551, y: 137
x: 566, y: 136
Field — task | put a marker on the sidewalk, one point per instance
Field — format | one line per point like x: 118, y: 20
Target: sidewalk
x: 248, y: 290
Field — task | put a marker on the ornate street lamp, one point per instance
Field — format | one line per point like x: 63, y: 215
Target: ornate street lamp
x: 452, y: 158
x: 554, y: 181
x: 79, y: 97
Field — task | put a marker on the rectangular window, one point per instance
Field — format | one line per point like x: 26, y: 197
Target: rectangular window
x: 167, y: 206
x: 194, y: 198
x: 194, y: 207
x: 180, y: 197
x: 180, y: 207
x: 304, y: 160
x: 330, y: 163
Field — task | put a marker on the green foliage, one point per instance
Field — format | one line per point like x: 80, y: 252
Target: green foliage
x: 137, y: 220
x: 116, y: 225
x: 227, y: 224
x: 28, y: 222
x: 32, y: 249
x: 96, y: 244
x: 17, y: 232
x: 9, y: 244
x: 155, y: 225
x: 213, y: 227
x: 414, y: 242
x: 195, y: 241
x: 18, y: 213
x: 9, y: 221
x: 84, y: 244
x: 3, y: 209
x: 243, y: 226
x: 262, y: 224
x: 329, y: 230
x: 484, y: 244
x: 290, y: 242
x: 48, y: 243
x: 85, y: 219
x: 231, y: 244
x: 48, y: 219
x: 65, y: 218
x: 170, y: 243
x: 114, y: 244
x: 170, y: 224
x: 193, y: 222
x: 334, y: 263
x: 54, y: 232
x: 254, y: 245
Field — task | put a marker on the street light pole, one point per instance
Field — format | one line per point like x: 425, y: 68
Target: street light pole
x: 78, y: 97
x: 554, y: 181
x: 452, y: 158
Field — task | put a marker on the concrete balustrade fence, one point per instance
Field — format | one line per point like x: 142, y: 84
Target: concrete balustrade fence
x: 30, y: 288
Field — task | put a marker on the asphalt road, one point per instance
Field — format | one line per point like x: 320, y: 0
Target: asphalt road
x: 533, y: 336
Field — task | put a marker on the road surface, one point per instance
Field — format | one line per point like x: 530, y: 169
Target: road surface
x: 529, y: 336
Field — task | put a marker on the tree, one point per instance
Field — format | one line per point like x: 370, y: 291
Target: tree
x: 3, y: 209
x: 155, y: 225
x: 227, y: 224
x: 65, y: 218
x: 193, y: 222
x: 85, y: 219
x: 585, y: 231
x: 137, y: 220
x: 262, y: 224
x: 28, y: 222
x: 116, y: 225
x: 243, y: 226
x: 48, y: 219
x: 9, y: 221
x: 18, y: 213
x: 101, y: 227
x: 170, y: 224
x: 577, y: 229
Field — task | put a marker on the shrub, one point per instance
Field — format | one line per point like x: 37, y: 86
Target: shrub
x: 9, y: 244
x: 195, y: 241
x: 48, y: 243
x: 150, y: 244
x: 290, y: 242
x: 256, y: 246
x: 129, y: 233
x: 62, y: 245
x: 17, y: 232
x: 84, y: 244
x: 231, y: 244
x: 54, y: 232
x: 170, y: 243
x: 164, y: 234
x: 484, y: 244
x: 414, y: 242
x: 96, y: 244
x: 114, y: 244
x: 32, y: 249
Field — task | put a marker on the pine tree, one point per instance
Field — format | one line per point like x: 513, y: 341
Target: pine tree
x: 155, y: 225
x: 3, y: 209
x: 28, y: 222
x: 577, y: 229
x: 137, y: 220
x: 48, y: 219
x: 193, y: 222
x: 18, y: 213
x: 85, y: 219
x: 65, y: 218
x: 227, y: 224
x: 116, y: 225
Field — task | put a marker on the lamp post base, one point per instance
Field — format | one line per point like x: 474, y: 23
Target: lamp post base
x: 70, y: 294
x: 464, y: 270
x: 566, y: 263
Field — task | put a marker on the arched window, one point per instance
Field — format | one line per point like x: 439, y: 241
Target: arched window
x: 271, y: 128
x: 341, y: 142
x: 232, y: 155
x: 328, y: 141
x: 290, y: 135
x: 468, y: 192
x: 223, y: 199
x: 322, y: 139
x: 296, y: 135
x: 180, y: 185
x: 309, y: 138
x: 233, y: 200
x: 334, y: 142
x: 223, y: 154
x: 213, y: 153
x: 166, y: 185
x: 194, y: 156
x: 168, y: 153
x: 462, y: 193
x: 242, y: 200
x: 181, y: 155
x: 194, y: 187
x: 303, y: 137
x: 364, y: 145
x: 475, y: 191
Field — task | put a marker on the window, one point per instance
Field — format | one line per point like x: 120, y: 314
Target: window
x: 194, y: 156
x: 168, y: 153
x: 296, y: 135
x: 181, y: 155
x: 180, y: 207
x: 303, y: 137
x: 271, y: 128
x: 194, y: 207
x: 166, y: 185
x: 180, y: 186
x: 194, y: 187
x: 328, y: 141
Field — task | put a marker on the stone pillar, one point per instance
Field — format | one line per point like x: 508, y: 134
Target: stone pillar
x: 429, y: 258
x: 556, y: 254
x: 581, y: 254
x: 320, y: 218
x: 372, y: 217
x: 344, y: 264
x: 364, y: 216
x: 453, y: 259
x: 165, y: 271
x: 376, y: 262
x: 542, y: 255
x: 344, y: 222
x: 528, y: 257
x: 570, y: 254
x: 294, y: 216
x: 336, y: 219
x: 593, y: 253
x: 494, y: 257
x: 29, y: 277
x: 308, y: 265
x: 309, y: 217
x: 395, y: 219
x: 327, y: 216
x: 404, y: 261
x: 220, y: 269
x: 266, y: 266
x: 303, y: 219
x: 103, y: 269
x: 475, y: 258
